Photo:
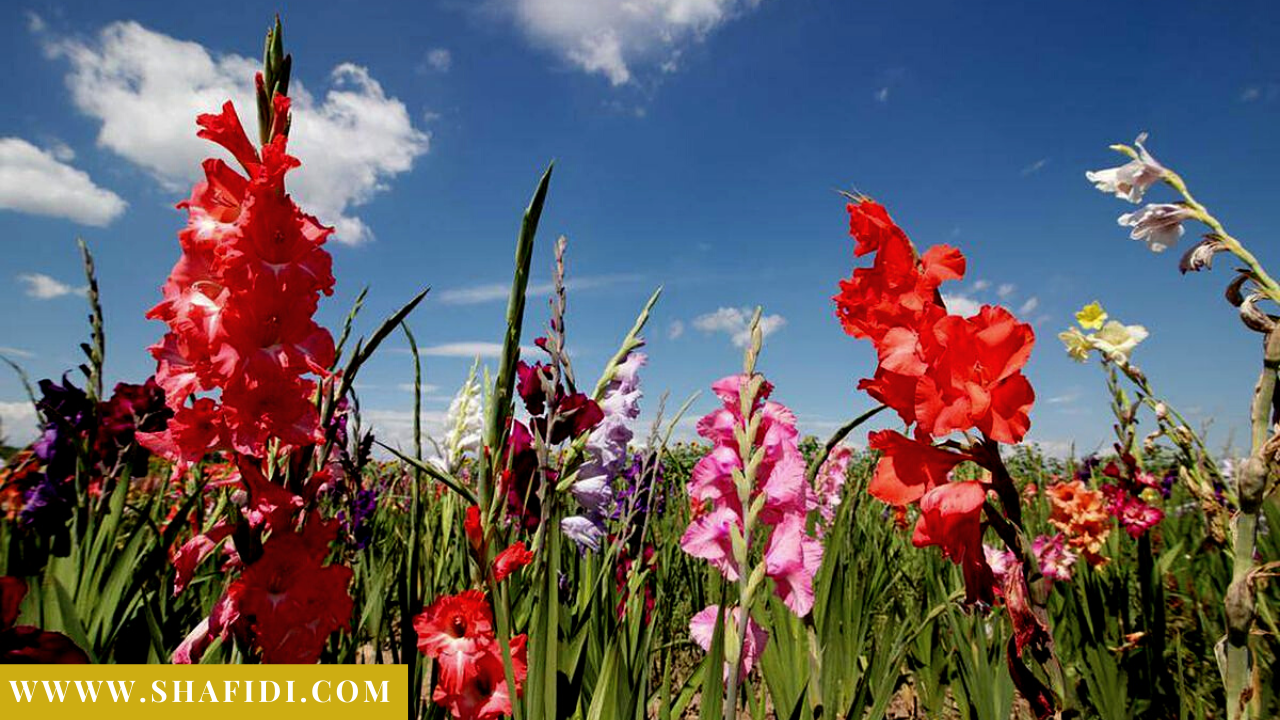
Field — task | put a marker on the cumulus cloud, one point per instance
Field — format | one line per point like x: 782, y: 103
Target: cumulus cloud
x: 675, y: 329
x: 44, y: 287
x: 1029, y: 305
x: 395, y: 427
x: 961, y: 305
x: 1006, y: 290
x: 146, y: 88
x: 736, y: 323
x: 17, y: 423
x: 42, y: 183
x: 615, y: 38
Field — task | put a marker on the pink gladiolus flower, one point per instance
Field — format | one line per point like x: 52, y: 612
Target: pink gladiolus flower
x: 1056, y: 559
x: 1001, y: 562
x: 708, y: 538
x: 702, y: 628
x: 1138, y: 517
x: 780, y: 485
x: 829, y: 484
x: 792, y: 559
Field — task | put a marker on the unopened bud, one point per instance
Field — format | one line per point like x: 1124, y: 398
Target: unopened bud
x: 1239, y: 611
x: 1250, y: 482
x: 1149, y: 442
x: 1162, y: 411
x: 1184, y: 434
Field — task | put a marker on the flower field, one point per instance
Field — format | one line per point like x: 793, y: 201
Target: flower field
x: 551, y: 556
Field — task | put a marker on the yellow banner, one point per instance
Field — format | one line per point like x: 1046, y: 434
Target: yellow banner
x: 142, y: 692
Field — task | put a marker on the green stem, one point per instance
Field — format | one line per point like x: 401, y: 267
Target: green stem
x: 1231, y: 244
x: 500, y: 402
x: 1250, y: 483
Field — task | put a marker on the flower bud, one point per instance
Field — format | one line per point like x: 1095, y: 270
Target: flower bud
x: 1239, y: 611
x: 1149, y: 442
x: 1250, y: 481
x: 1184, y: 434
x: 1200, y: 256
x: 1162, y: 411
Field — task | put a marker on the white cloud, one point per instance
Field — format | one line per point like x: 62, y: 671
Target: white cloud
x: 17, y: 423
x: 1005, y: 290
x: 981, y: 285
x: 615, y: 38
x: 1059, y: 449
x: 736, y: 323
x: 14, y: 352
x: 1029, y: 305
x: 1065, y: 398
x: 882, y: 95
x: 395, y: 427
x: 146, y: 89
x: 675, y: 329
x: 1034, y: 167
x: 438, y: 59
x: 61, y: 151
x: 1266, y: 92
x: 493, y: 292
x: 463, y: 350
x: 44, y: 287
x: 961, y: 305
x: 408, y: 387
x: 42, y: 183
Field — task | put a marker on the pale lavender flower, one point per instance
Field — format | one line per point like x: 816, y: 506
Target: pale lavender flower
x: 1131, y: 180
x: 606, y: 451
x: 585, y: 531
x: 1158, y: 224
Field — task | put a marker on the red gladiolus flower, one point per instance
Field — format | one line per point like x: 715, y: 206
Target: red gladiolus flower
x: 870, y: 224
x: 483, y: 693
x: 293, y: 602
x: 951, y: 518
x: 471, y: 527
x: 454, y: 629
x: 908, y: 468
x: 239, y: 304
x: 457, y: 630
x: 975, y: 378
x: 510, y: 560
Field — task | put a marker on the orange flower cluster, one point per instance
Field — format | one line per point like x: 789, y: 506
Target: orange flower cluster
x: 1080, y: 513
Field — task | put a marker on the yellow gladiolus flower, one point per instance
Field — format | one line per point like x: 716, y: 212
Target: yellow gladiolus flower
x: 1091, y: 316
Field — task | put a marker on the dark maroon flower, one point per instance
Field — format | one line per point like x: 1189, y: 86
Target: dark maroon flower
x: 576, y: 415
x: 27, y: 644
x: 530, y: 387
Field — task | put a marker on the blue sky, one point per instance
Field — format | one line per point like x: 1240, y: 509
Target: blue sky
x: 698, y: 145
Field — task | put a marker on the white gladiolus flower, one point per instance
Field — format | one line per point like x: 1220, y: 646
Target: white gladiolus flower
x: 1158, y: 224
x: 1117, y: 340
x: 464, y: 422
x: 1131, y: 180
